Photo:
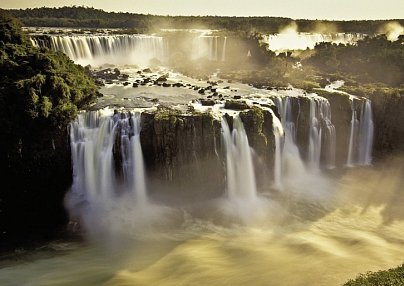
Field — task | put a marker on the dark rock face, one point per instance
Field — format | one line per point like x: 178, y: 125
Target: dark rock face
x: 341, y: 111
x: 41, y: 174
x: 388, y: 118
x: 181, y: 151
x: 236, y: 105
x: 185, y: 152
x: 258, y: 125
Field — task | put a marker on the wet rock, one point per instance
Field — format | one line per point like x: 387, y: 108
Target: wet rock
x: 135, y: 84
x: 237, y: 97
x: 162, y: 78
x: 236, y: 105
x: 147, y: 70
x: 207, y: 102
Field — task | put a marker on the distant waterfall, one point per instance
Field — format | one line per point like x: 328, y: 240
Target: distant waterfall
x: 112, y: 49
x: 240, y: 174
x: 212, y: 48
x: 361, y: 134
x: 94, y: 136
x: 301, y: 41
x: 224, y: 49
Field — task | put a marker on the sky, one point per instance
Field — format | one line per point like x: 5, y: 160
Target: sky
x: 296, y: 9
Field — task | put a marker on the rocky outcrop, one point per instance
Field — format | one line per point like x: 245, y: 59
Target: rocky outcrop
x: 182, y: 149
x: 341, y: 110
x: 184, y: 152
x: 388, y: 117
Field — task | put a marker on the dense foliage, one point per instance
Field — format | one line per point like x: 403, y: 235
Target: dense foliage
x: 89, y: 17
x: 40, y: 93
x: 391, y: 277
x: 372, y: 60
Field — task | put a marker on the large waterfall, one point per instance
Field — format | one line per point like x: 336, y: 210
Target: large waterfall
x: 321, y: 136
x: 239, y: 166
x: 212, y: 48
x: 361, y: 134
x: 108, y: 49
x: 95, y: 137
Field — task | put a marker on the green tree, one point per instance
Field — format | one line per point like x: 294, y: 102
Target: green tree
x: 40, y: 94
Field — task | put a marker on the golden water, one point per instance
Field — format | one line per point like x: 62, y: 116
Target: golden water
x: 358, y: 229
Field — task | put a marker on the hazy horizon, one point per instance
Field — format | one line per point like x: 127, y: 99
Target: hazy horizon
x: 303, y: 9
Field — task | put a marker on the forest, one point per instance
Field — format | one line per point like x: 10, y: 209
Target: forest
x: 87, y: 17
x: 40, y: 93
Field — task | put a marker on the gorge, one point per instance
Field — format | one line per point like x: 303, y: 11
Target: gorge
x: 186, y: 180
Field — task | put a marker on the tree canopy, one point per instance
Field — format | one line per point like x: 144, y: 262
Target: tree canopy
x: 40, y: 94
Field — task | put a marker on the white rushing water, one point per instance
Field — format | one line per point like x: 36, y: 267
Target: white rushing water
x: 109, y: 49
x: 212, y: 48
x: 292, y: 40
x: 240, y: 176
x: 361, y: 134
x: 322, y: 134
x: 93, y: 136
x: 321, y: 137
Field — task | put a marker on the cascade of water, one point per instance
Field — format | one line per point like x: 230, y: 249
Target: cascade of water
x: 293, y: 40
x: 279, y: 135
x: 93, y: 136
x: 208, y: 47
x: 239, y: 166
x: 351, y: 161
x: 314, y: 138
x: 361, y: 135
x: 215, y: 49
x: 322, y: 134
x: 366, y: 134
x: 224, y: 49
x: 293, y: 168
x: 115, y: 49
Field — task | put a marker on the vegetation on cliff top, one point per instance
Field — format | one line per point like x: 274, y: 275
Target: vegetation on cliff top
x: 95, y: 18
x: 372, y: 60
x: 40, y: 93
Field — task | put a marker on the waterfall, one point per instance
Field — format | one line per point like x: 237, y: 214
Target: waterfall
x: 279, y: 135
x: 112, y: 49
x: 240, y: 174
x: 293, y: 40
x: 366, y: 134
x: 321, y: 137
x: 224, y: 49
x: 314, y: 138
x: 215, y: 49
x: 291, y: 161
x: 207, y: 47
x: 94, y: 137
x: 361, y: 135
x: 353, y: 137
x: 322, y: 134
